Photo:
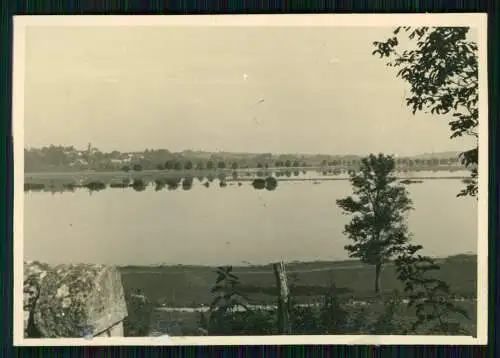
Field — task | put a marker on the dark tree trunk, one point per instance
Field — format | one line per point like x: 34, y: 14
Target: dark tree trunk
x: 378, y: 270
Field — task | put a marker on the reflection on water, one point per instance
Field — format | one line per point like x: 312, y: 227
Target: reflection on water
x: 270, y: 183
x: 258, y: 180
x: 187, y: 183
x: 160, y: 184
x: 139, y: 184
x: 213, y: 226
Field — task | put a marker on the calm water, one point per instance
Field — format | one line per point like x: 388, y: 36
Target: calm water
x: 209, y: 226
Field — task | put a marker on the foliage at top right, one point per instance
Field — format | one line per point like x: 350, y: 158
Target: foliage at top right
x: 442, y: 71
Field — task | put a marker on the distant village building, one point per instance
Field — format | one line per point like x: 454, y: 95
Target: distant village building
x: 120, y: 161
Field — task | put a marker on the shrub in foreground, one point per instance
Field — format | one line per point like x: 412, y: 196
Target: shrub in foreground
x: 140, y: 308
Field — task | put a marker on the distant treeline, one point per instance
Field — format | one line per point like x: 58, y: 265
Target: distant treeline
x: 63, y: 159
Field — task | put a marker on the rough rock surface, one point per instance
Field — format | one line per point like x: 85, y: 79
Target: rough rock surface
x: 34, y: 273
x: 73, y: 300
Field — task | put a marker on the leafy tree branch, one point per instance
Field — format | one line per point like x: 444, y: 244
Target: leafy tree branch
x: 442, y: 71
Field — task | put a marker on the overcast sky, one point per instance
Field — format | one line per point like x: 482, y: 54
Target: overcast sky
x: 245, y: 89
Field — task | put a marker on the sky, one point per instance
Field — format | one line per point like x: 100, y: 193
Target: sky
x: 240, y: 89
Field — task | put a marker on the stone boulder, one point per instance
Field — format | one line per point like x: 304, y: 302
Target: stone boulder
x: 70, y: 301
x: 34, y: 273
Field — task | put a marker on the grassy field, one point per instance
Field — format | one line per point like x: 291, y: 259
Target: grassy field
x: 189, y: 286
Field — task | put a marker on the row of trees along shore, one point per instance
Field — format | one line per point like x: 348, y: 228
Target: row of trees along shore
x: 441, y: 69
x: 210, y: 165
x: 60, y: 158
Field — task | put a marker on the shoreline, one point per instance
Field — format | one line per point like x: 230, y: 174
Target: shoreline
x: 227, y: 170
x: 250, y: 268
x: 60, y: 180
x: 255, y: 268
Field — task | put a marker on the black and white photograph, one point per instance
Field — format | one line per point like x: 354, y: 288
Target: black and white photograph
x: 250, y: 179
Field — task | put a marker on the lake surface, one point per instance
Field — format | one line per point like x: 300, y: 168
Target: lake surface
x: 232, y: 225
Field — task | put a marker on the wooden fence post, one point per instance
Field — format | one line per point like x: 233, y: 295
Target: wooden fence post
x: 283, y: 299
